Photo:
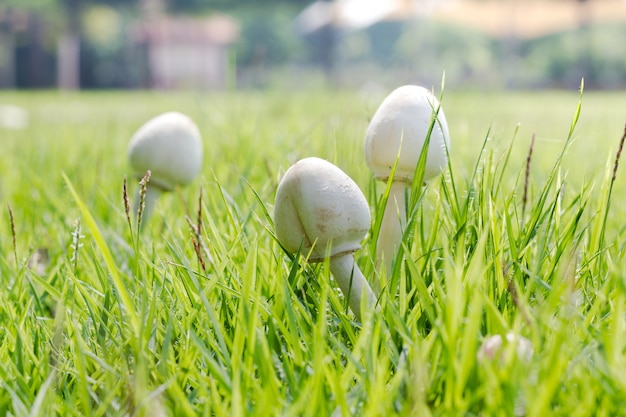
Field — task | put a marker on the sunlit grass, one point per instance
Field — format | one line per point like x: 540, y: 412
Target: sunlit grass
x: 155, y: 324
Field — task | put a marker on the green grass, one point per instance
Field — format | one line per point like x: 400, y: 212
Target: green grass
x: 121, y: 324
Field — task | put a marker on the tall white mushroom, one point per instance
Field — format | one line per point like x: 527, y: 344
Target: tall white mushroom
x: 170, y: 146
x: 320, y: 209
x: 398, y: 131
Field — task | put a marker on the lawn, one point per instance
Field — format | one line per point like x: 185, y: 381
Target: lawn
x: 97, y: 319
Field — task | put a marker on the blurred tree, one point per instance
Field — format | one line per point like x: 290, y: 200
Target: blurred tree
x: 267, y: 40
x: 24, y: 42
x: 584, y: 23
x: 65, y: 17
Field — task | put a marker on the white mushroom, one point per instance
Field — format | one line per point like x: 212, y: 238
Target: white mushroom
x: 398, y: 132
x: 492, y: 347
x: 319, y: 209
x: 170, y: 146
x: 13, y: 117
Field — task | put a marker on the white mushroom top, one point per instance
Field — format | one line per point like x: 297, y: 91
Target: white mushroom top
x: 170, y: 146
x: 401, y: 124
x: 316, y: 202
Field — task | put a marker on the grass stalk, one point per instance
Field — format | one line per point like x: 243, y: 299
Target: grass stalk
x: 13, y: 234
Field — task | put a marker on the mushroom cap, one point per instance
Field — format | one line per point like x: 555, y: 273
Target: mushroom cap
x: 494, y: 345
x: 316, y: 202
x: 403, y: 119
x: 170, y: 146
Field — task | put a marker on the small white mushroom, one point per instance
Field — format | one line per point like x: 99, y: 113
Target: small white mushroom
x: 398, y: 131
x: 13, y: 117
x: 170, y: 146
x: 493, y: 347
x: 320, y: 209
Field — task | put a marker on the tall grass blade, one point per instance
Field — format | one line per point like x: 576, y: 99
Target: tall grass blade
x: 120, y: 287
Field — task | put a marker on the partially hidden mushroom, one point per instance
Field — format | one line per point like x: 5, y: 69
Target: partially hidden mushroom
x: 494, y: 347
x: 320, y: 211
x: 170, y: 147
x: 396, y: 136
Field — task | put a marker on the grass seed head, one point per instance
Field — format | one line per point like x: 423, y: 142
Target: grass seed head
x: 618, y: 155
x: 13, y: 233
x: 126, y: 201
x: 143, y: 187
x: 527, y: 174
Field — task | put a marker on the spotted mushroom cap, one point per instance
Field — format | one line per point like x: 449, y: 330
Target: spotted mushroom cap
x: 316, y: 202
x: 401, y: 124
x: 170, y: 146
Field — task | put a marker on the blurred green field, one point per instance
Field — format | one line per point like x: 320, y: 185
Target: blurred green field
x: 256, y: 136
x: 253, y: 334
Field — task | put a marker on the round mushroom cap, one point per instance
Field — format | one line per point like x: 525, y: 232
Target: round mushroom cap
x: 316, y: 202
x: 494, y: 345
x: 170, y: 146
x: 401, y: 124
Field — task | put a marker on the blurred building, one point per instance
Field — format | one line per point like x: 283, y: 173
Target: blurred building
x: 188, y: 52
x: 160, y: 52
x: 528, y: 18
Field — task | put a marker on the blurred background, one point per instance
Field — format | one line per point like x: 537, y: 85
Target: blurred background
x: 254, y: 44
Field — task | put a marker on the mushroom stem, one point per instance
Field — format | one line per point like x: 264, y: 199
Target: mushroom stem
x: 391, y: 229
x: 150, y: 198
x: 353, y: 284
